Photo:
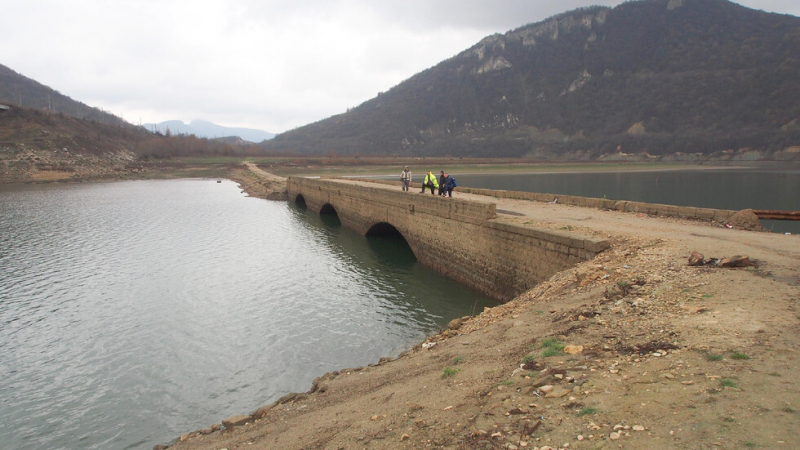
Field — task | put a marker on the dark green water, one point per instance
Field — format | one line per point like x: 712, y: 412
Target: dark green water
x: 722, y: 189
x: 133, y: 312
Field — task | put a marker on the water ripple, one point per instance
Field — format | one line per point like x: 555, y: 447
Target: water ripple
x: 132, y: 312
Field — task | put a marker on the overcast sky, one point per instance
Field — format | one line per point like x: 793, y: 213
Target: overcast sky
x: 267, y: 64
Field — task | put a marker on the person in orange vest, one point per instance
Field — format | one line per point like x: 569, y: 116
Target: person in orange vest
x: 431, y: 182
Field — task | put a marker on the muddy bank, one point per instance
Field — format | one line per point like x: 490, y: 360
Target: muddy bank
x: 258, y: 183
x: 28, y: 165
x: 634, y: 349
x: 52, y: 166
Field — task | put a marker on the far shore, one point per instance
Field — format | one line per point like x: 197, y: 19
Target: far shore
x: 478, y: 168
x: 222, y: 166
x: 572, y: 170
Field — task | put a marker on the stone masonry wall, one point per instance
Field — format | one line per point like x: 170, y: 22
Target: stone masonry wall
x: 459, y: 238
x: 686, y: 212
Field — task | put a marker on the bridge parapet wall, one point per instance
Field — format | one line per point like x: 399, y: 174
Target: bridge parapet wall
x: 686, y: 212
x: 460, y: 238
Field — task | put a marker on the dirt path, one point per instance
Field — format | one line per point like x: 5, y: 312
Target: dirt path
x: 634, y: 349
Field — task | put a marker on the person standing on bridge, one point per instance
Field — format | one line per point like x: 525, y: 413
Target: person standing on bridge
x: 430, y: 182
x: 405, y: 178
x: 448, y: 185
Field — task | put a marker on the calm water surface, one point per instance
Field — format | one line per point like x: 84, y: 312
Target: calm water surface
x: 133, y: 312
x: 721, y: 189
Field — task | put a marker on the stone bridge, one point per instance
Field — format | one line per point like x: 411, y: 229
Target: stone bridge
x: 463, y: 239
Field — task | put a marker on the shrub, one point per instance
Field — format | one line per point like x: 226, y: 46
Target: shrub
x: 448, y: 372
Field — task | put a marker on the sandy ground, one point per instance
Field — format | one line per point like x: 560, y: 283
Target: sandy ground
x: 634, y: 349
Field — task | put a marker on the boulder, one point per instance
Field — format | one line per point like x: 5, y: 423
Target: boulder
x: 736, y: 261
x: 232, y: 422
x: 557, y: 392
x: 261, y: 412
x: 696, y: 259
x: 573, y: 349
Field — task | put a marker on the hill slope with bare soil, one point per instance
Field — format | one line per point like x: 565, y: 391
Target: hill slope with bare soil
x: 43, y: 146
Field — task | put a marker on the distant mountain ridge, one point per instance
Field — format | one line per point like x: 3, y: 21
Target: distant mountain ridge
x: 19, y: 90
x: 205, y: 129
x: 650, y: 77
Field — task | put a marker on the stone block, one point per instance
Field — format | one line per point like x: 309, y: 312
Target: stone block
x: 232, y: 422
x: 705, y: 213
x: 635, y: 207
x: 595, y: 245
x: 261, y: 412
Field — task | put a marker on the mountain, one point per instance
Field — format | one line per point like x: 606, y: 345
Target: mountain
x: 650, y: 77
x: 19, y: 90
x: 202, y: 128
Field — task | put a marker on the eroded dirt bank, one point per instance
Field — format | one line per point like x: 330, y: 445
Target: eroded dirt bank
x: 258, y: 183
x: 635, y: 349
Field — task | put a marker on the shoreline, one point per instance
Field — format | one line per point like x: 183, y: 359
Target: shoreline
x: 669, y: 168
x: 529, y: 169
x: 624, y: 321
x: 193, y: 168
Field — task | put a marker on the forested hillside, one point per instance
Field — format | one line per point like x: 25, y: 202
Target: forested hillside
x: 50, y: 136
x: 651, y: 77
x: 19, y: 90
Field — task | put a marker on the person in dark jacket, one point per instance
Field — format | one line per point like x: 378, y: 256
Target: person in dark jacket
x: 448, y: 186
x: 441, y: 182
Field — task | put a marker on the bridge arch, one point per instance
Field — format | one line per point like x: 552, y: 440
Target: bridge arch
x: 383, y: 229
x: 327, y: 208
x: 299, y: 200
x: 393, y: 241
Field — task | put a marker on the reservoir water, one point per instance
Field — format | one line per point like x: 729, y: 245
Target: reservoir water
x: 733, y: 189
x: 133, y: 312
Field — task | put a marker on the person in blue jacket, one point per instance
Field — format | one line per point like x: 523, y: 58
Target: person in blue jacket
x: 449, y: 185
